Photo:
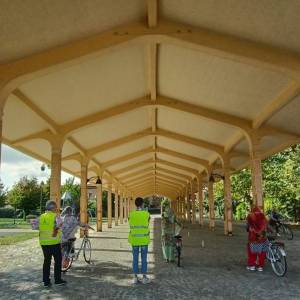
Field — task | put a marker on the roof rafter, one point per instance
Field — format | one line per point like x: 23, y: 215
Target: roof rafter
x: 215, y: 43
x: 132, y: 167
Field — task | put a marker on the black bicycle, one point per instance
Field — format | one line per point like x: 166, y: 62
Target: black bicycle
x: 69, y: 253
x: 283, y: 230
x: 178, y: 247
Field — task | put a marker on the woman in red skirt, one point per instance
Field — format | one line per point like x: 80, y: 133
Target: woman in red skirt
x: 257, y: 241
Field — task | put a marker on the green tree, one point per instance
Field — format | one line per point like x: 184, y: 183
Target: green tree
x: 3, y: 195
x: 74, y: 189
x: 25, y: 194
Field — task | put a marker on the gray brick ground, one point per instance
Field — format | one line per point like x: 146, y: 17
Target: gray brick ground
x: 216, y: 271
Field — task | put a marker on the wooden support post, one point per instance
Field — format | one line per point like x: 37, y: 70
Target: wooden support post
x: 188, y: 204
x: 193, y: 199
x: 227, y: 198
x: 1, y: 117
x: 126, y: 209
x: 211, y: 205
x: 83, y: 193
x: 109, y: 208
x: 99, y: 206
x: 55, y: 178
x: 116, y: 207
x: 121, y: 208
x: 200, y: 199
x: 256, y: 172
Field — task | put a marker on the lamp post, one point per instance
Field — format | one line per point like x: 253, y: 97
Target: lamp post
x: 41, y: 195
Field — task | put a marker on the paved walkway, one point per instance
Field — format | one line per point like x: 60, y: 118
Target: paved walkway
x: 215, y: 271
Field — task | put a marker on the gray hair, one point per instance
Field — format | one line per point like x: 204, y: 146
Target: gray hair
x: 51, y: 205
x: 67, y: 211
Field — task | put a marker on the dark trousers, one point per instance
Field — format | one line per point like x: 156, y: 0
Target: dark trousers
x: 49, y: 251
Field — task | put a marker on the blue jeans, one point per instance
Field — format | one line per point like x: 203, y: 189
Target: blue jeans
x: 135, y: 263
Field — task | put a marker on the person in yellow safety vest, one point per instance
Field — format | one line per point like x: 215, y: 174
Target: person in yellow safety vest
x: 139, y: 238
x: 50, y: 241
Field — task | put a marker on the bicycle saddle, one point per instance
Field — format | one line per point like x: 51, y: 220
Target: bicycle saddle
x: 178, y: 236
x: 72, y: 240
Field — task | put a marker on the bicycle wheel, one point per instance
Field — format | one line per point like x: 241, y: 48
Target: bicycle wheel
x: 288, y: 232
x: 278, y: 261
x: 178, y: 249
x: 67, y: 260
x: 87, y: 251
x: 281, y: 229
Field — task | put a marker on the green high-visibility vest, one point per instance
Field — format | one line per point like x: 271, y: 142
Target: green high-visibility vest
x: 46, y: 227
x: 139, y: 234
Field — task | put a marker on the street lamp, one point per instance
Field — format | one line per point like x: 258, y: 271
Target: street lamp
x: 98, y: 180
x: 213, y: 175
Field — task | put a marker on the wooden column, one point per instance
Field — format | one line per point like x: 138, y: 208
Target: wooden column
x: 256, y: 173
x: 109, y: 208
x: 55, y: 178
x: 211, y: 204
x: 83, y: 193
x: 193, y: 200
x: 121, y: 208
x: 200, y: 199
x: 1, y: 118
x: 99, y: 206
x: 227, y: 198
x: 188, y: 205
x: 126, y: 209
x: 116, y: 207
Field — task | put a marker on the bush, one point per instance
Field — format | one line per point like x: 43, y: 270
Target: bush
x: 6, y: 212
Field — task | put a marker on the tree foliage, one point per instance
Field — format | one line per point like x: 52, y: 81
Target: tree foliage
x: 25, y: 194
x: 3, y: 194
x: 281, y: 186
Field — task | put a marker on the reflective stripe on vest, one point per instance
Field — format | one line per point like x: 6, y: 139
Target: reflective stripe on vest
x: 139, y: 234
x: 138, y: 227
x: 46, y: 228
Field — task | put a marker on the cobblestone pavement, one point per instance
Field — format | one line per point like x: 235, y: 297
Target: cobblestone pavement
x: 215, y: 271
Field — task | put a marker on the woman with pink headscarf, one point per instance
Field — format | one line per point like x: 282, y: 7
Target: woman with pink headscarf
x: 257, y: 241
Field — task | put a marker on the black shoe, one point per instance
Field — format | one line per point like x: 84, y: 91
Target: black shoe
x: 47, y: 284
x: 61, y: 282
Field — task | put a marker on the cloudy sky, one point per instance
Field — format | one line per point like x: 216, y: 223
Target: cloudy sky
x: 15, y: 165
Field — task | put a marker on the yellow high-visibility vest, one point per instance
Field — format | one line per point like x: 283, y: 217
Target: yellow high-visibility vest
x: 139, y: 234
x: 46, y: 227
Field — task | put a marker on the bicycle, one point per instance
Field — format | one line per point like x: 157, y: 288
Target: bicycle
x: 178, y: 243
x: 277, y: 256
x: 69, y: 254
x: 178, y: 247
x: 285, y: 230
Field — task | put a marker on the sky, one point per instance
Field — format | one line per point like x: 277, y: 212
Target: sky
x: 15, y: 165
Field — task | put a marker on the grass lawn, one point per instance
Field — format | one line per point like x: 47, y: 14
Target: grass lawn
x: 9, y: 223
x: 13, y: 239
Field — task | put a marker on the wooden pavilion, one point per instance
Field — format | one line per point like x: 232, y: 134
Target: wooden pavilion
x: 153, y: 97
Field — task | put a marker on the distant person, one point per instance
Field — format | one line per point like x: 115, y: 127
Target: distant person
x: 168, y: 221
x: 69, y: 228
x: 50, y: 241
x: 257, y: 241
x: 139, y: 238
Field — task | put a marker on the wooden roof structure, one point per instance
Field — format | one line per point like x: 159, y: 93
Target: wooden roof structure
x: 153, y: 93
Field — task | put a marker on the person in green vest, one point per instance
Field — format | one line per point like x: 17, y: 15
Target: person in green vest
x: 50, y: 241
x: 139, y: 238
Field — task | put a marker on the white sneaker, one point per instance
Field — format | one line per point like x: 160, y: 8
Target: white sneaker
x: 250, y: 268
x: 260, y: 269
x: 145, y: 280
x: 135, y: 280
